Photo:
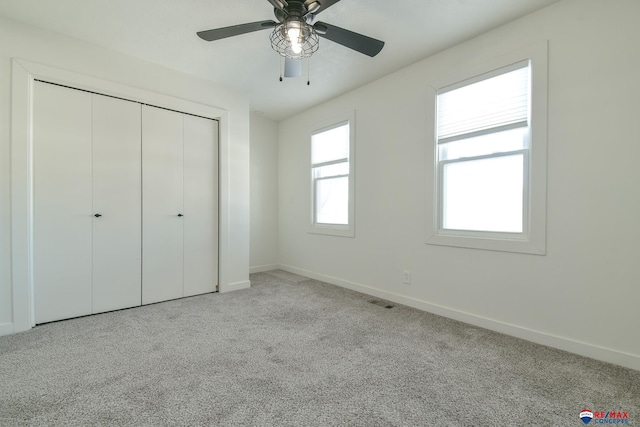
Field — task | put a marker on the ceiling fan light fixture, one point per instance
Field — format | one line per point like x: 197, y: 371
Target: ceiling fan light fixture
x: 294, y: 39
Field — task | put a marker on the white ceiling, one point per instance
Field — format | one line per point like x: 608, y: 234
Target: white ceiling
x: 164, y: 32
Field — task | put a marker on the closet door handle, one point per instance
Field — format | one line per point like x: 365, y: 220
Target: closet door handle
x: 180, y: 215
x: 97, y: 215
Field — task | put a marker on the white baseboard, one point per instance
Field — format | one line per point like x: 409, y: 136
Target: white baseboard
x: 230, y: 287
x: 577, y: 347
x: 6, y: 328
x: 263, y: 268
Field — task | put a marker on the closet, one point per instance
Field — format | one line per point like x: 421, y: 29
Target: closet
x: 125, y: 203
x: 180, y: 215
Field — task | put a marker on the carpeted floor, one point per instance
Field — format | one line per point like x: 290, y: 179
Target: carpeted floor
x: 295, y: 352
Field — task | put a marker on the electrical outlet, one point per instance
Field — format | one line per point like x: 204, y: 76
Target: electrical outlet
x: 406, y: 277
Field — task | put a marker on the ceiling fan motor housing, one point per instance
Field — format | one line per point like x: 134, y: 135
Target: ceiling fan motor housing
x: 296, y: 9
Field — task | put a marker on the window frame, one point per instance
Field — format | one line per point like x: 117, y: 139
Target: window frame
x: 340, y: 230
x: 533, y: 238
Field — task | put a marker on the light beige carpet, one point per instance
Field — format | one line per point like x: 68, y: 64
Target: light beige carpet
x: 285, y: 275
x: 295, y: 353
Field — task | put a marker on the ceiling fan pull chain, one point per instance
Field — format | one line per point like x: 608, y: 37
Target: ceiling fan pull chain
x: 280, y: 66
x: 309, y: 72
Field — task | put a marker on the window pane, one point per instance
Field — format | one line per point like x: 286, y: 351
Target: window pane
x: 332, y: 144
x: 332, y: 201
x: 483, y: 195
x: 499, y: 142
x: 496, y: 101
x: 331, y: 170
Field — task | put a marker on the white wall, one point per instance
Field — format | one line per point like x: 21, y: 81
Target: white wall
x: 36, y: 45
x: 583, y: 295
x: 264, y: 194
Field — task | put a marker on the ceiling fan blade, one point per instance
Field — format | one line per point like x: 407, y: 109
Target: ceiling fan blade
x: 235, y: 30
x: 355, y: 41
x: 279, y: 4
x: 324, y: 4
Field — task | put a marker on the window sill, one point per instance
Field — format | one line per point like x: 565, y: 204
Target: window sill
x: 332, y: 230
x: 518, y: 245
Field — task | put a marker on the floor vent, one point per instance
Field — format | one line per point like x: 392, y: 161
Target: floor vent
x: 384, y: 304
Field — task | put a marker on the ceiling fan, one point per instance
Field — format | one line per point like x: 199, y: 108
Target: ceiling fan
x: 294, y: 36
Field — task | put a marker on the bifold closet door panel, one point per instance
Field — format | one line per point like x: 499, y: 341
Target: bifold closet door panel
x: 116, y: 204
x: 162, y: 205
x: 200, y: 205
x: 62, y: 202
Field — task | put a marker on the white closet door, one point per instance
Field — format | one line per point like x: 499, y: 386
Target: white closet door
x: 200, y: 205
x: 62, y: 202
x: 162, y: 203
x: 117, y: 201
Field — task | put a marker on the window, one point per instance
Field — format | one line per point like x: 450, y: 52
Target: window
x: 490, y: 154
x: 332, y: 178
